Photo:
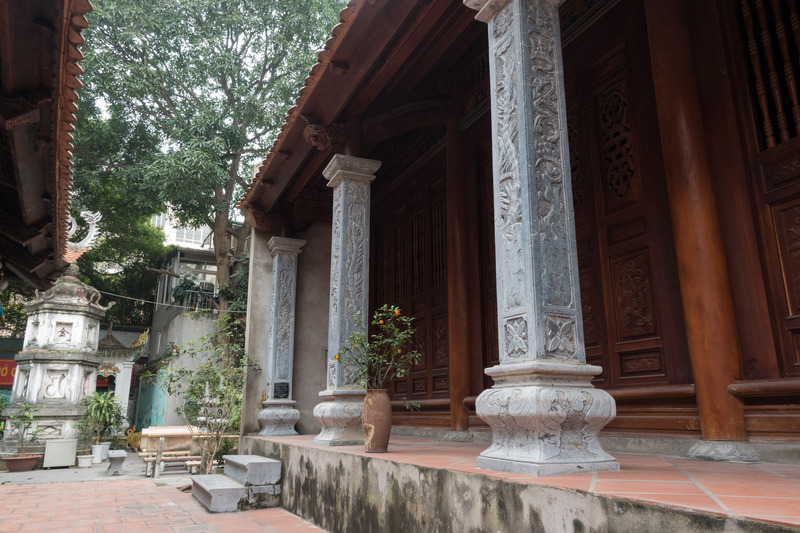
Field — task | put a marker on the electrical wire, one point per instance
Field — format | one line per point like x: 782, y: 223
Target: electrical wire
x: 163, y: 304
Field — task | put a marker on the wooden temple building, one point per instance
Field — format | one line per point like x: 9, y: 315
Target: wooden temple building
x: 679, y: 197
x: 39, y: 71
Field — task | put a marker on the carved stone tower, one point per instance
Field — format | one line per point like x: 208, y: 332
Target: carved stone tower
x: 58, y: 365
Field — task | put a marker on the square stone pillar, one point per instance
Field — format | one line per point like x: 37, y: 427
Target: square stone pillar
x: 277, y: 415
x: 259, y: 298
x: 543, y: 410
x: 122, y: 386
x: 340, y: 411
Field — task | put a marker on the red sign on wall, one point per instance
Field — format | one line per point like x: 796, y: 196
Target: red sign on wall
x: 8, y: 367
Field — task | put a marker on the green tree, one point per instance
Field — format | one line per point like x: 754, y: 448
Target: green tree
x: 113, y: 150
x: 211, y: 79
x: 11, y: 298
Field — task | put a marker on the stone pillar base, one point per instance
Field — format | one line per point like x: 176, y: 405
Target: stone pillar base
x: 278, y: 417
x: 545, y: 417
x: 340, y: 416
x: 719, y: 450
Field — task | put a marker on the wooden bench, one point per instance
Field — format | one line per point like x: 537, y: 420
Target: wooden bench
x: 194, y: 466
x: 162, y: 445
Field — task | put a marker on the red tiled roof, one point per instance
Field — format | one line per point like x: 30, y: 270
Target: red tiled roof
x: 66, y: 106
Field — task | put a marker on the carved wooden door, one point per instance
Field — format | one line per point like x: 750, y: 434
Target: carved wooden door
x: 410, y: 270
x: 769, y: 38
x: 633, y: 321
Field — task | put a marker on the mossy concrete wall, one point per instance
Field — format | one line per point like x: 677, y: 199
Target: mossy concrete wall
x: 341, y: 493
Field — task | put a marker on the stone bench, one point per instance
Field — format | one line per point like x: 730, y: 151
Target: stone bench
x: 116, y: 458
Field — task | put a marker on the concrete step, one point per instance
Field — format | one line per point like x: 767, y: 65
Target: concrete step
x: 218, y: 494
x: 253, y: 470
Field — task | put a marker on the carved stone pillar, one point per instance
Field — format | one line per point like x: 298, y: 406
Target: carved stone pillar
x: 543, y: 410
x: 277, y: 415
x: 340, y: 411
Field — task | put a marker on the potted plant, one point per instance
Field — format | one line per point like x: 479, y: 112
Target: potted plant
x: 22, y: 419
x: 379, y: 358
x: 102, y: 415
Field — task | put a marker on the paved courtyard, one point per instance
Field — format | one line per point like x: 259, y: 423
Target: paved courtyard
x: 86, y: 500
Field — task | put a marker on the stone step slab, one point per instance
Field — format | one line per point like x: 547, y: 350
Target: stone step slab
x: 253, y: 470
x: 218, y: 494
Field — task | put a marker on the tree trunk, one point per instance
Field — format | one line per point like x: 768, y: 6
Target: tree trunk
x: 221, y: 254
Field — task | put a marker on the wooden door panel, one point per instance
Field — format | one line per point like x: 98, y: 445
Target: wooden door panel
x: 786, y: 220
x: 409, y: 233
x: 631, y: 305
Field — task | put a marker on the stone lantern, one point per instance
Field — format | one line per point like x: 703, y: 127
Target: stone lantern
x: 58, y: 365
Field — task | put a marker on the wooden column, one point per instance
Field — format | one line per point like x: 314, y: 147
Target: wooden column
x: 702, y: 269
x: 460, y: 289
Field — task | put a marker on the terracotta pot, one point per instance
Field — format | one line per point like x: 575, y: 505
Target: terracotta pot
x: 376, y: 418
x: 21, y: 463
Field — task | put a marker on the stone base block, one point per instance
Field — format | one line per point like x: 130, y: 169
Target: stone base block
x: 277, y: 418
x: 252, y: 469
x: 731, y: 451
x: 545, y: 418
x: 218, y: 494
x: 264, y: 496
x: 340, y: 417
x: 544, y: 469
x: 116, y: 459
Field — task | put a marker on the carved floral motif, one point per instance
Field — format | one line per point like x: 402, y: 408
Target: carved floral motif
x: 540, y: 14
x: 354, y: 263
x: 358, y: 190
x: 278, y: 420
x: 341, y: 422
x: 634, y: 300
x: 509, y: 188
x: 640, y: 363
x: 336, y: 258
x: 551, y: 198
x: 285, y: 313
x: 502, y: 21
x: 560, y: 337
x: 533, y: 425
x: 516, y: 337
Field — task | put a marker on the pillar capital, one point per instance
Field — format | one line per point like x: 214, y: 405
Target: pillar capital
x: 487, y: 9
x: 284, y: 245
x: 347, y: 167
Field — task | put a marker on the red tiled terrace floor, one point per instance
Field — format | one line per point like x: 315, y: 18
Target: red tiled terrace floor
x: 762, y: 491
x: 122, y: 505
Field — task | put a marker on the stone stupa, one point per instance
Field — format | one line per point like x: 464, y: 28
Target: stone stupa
x: 58, y: 365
